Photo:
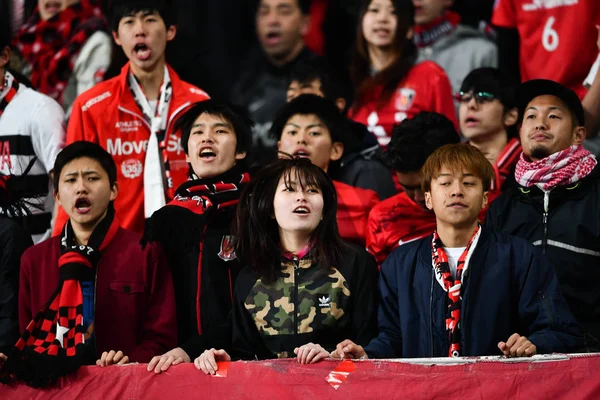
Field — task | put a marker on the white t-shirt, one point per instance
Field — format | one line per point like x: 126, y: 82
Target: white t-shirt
x: 453, y: 254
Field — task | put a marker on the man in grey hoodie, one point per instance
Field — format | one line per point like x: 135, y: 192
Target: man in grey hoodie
x: 440, y: 37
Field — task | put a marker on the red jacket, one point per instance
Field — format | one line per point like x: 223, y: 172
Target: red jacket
x: 135, y: 300
x: 396, y: 221
x: 425, y: 88
x: 108, y: 115
x: 354, y: 205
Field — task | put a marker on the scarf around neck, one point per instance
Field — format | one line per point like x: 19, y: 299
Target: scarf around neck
x: 8, y: 91
x: 52, y: 46
x: 452, y: 286
x: 559, y: 169
x: 53, y: 344
x: 426, y: 35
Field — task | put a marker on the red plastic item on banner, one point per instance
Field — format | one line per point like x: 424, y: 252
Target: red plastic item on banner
x: 223, y: 367
x: 340, y: 373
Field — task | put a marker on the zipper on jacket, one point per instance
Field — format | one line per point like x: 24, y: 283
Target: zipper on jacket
x: 545, y: 221
x: 431, y: 311
x: 296, y: 262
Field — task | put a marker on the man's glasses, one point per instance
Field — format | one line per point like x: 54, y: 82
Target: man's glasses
x: 480, y: 97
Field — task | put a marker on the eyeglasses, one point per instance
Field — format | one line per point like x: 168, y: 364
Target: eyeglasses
x: 480, y: 97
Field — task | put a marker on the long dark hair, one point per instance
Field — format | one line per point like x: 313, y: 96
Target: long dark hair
x: 391, y: 76
x: 257, y: 232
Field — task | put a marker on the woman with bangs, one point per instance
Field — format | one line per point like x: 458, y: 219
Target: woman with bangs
x: 301, y: 284
x: 390, y: 86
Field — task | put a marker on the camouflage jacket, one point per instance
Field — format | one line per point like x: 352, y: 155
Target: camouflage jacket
x: 305, y: 304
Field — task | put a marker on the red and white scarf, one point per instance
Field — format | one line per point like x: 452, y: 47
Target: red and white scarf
x: 452, y: 285
x: 428, y: 34
x: 158, y: 184
x: 8, y: 91
x: 559, y: 169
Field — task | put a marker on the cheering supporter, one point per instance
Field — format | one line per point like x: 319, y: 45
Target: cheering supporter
x: 261, y: 87
x: 312, y: 127
x: 441, y: 37
x: 488, y: 117
x: 132, y: 115
x: 555, y: 205
x: 389, y: 85
x: 91, y: 294
x: 66, y: 47
x: 31, y: 128
x: 404, y: 217
x: 301, y: 284
x: 547, y: 39
x: 362, y: 164
x: 466, y: 290
x: 14, y: 240
x: 195, y: 229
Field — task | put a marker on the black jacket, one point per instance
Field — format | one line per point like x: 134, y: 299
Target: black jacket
x: 304, y: 305
x: 568, y: 232
x: 14, y: 240
x: 508, y: 288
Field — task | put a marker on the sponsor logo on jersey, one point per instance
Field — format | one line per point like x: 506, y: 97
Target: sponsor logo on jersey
x: 128, y: 126
x: 132, y: 168
x: 95, y: 100
x: 227, y: 251
x: 198, y: 91
x: 405, y: 99
x: 535, y: 5
x: 119, y: 147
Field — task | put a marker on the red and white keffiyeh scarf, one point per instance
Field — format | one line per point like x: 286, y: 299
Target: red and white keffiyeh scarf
x: 559, y: 169
x: 8, y: 91
x: 452, y: 286
x: 52, y: 46
x: 158, y: 184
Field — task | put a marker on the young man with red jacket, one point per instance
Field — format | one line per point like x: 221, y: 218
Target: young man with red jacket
x: 132, y: 115
x: 92, y: 294
x: 311, y: 126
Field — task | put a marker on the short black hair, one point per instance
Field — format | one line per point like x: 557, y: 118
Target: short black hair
x: 119, y: 9
x: 4, y: 38
x: 493, y: 81
x: 324, y: 109
x: 236, y: 116
x: 415, y: 139
x: 82, y: 149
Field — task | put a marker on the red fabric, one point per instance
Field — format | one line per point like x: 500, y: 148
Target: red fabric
x: 108, y: 115
x: 576, y: 378
x: 426, y: 35
x: 559, y: 169
x: 314, y: 38
x: 425, y: 88
x: 505, y: 164
x: 354, y: 205
x: 135, y: 301
x: 395, y: 221
x: 549, y: 33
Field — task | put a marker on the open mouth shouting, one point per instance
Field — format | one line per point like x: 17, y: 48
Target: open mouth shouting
x: 302, y: 210
x: 471, y: 121
x: 142, y: 51
x: 272, y: 38
x: 83, y: 205
x: 207, y: 154
x: 301, y: 153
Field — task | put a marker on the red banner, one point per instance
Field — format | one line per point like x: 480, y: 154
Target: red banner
x: 555, y: 377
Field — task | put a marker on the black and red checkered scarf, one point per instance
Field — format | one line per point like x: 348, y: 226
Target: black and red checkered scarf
x: 181, y: 224
x: 452, y: 286
x: 53, y: 344
x: 52, y: 46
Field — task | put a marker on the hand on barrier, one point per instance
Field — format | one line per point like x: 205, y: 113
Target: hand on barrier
x: 517, y: 346
x: 310, y: 353
x: 349, y: 349
x: 163, y: 362
x: 112, y: 358
x: 207, y: 362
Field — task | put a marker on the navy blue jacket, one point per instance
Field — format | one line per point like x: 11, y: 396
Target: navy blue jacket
x: 509, y: 288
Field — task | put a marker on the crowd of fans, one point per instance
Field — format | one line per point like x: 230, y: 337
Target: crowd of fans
x: 195, y: 181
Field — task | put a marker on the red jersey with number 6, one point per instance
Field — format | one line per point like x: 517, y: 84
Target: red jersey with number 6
x: 557, y: 37
x: 425, y: 88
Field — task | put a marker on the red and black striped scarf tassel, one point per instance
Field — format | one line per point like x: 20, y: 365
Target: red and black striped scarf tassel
x: 52, y: 345
x: 10, y: 94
